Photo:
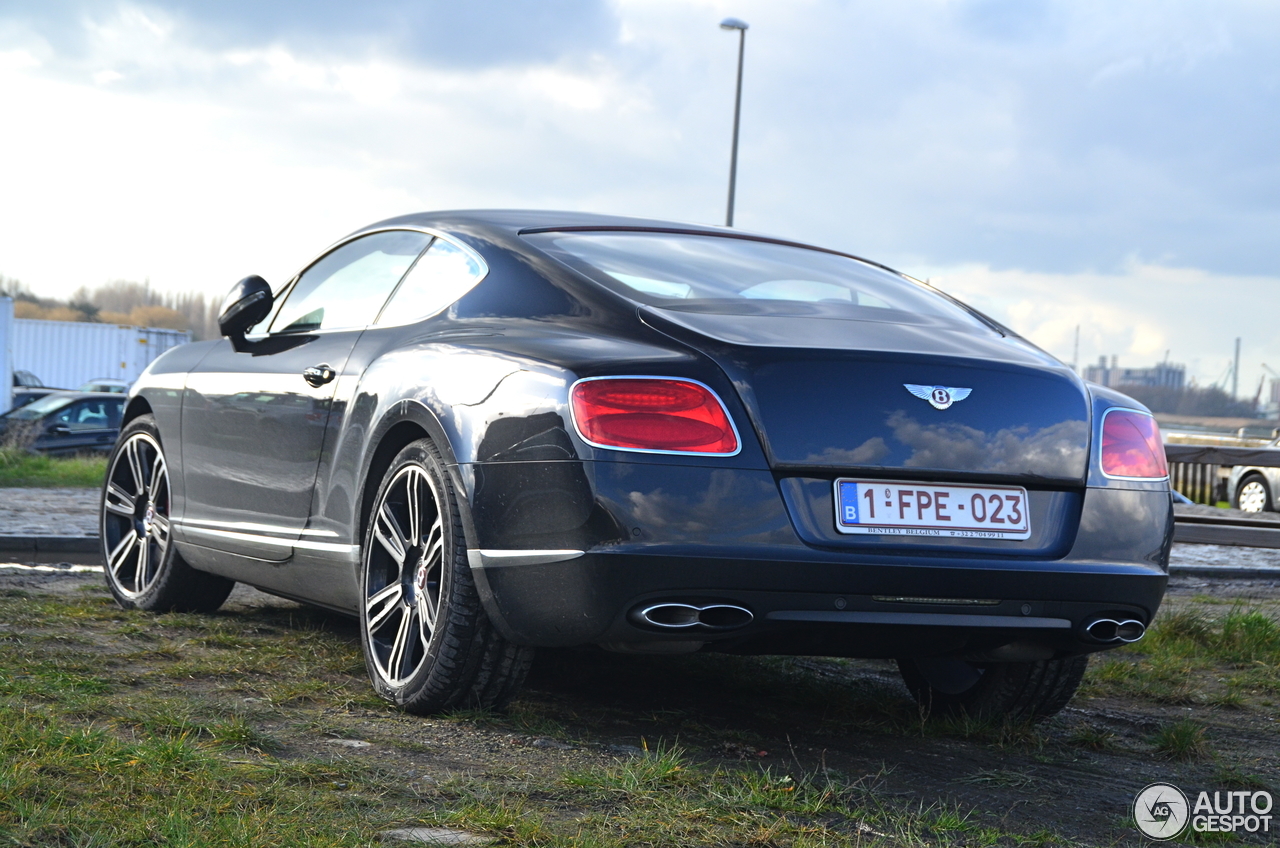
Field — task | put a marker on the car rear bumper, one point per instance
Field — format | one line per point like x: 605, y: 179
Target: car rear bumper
x: 828, y: 608
x: 642, y: 535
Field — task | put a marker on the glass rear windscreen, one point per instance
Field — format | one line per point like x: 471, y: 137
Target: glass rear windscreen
x: 725, y: 275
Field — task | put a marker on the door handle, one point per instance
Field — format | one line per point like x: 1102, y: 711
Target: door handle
x: 318, y: 375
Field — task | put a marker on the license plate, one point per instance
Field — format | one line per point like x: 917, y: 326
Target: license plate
x: 888, y: 508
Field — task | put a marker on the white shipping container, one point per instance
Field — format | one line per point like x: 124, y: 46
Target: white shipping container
x: 67, y: 354
x: 6, y: 353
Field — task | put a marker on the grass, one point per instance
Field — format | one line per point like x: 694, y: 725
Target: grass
x: 143, y: 735
x: 1182, y: 740
x: 666, y: 799
x: 1199, y: 653
x: 123, y: 728
x: 63, y: 783
x: 21, y: 468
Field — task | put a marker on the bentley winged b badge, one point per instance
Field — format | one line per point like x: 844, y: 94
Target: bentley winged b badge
x: 939, y: 397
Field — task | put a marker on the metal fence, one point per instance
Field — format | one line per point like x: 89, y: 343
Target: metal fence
x: 1199, y: 482
x: 1200, y: 471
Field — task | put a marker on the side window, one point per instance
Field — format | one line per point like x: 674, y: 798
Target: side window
x: 85, y: 415
x: 64, y: 415
x: 347, y: 287
x: 444, y: 273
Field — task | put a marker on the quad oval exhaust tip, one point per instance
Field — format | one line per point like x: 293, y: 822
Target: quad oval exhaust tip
x: 681, y: 616
x: 1111, y: 630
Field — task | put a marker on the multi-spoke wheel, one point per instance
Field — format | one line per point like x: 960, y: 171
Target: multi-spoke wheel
x: 143, y: 568
x: 1016, y: 690
x: 402, y: 584
x: 1252, y: 496
x: 428, y: 643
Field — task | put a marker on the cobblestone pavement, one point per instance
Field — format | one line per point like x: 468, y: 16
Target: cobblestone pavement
x: 49, y: 512
x: 74, y: 512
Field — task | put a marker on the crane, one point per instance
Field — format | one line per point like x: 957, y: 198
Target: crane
x: 1275, y: 377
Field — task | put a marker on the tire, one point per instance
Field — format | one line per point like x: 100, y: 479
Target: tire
x: 428, y: 644
x: 1016, y: 690
x: 1253, y: 495
x: 143, y: 568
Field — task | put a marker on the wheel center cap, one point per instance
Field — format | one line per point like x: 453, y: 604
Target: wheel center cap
x: 420, y: 578
x: 148, y: 517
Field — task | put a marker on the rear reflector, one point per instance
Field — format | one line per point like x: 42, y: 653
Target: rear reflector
x: 650, y: 414
x: 1131, y: 446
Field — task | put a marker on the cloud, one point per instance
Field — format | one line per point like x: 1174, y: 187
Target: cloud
x: 195, y: 166
x: 1026, y: 145
x: 1137, y: 313
x: 442, y: 33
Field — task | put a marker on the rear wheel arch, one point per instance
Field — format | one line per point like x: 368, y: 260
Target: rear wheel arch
x: 135, y: 409
x: 406, y: 423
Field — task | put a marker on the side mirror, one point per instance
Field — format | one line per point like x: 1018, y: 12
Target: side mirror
x: 59, y: 430
x: 248, y: 302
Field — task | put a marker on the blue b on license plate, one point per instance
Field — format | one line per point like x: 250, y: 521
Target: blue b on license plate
x: 895, y: 508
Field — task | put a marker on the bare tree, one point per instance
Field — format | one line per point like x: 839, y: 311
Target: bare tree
x: 120, y: 302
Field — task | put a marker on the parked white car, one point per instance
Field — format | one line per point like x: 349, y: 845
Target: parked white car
x: 1255, y: 489
x: 106, y: 384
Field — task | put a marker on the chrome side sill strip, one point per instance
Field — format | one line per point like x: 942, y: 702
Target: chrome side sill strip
x: 251, y: 528
x: 268, y: 541
x: 492, y: 557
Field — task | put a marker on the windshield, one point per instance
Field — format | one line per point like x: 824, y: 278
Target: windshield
x: 737, y: 276
x: 38, y: 408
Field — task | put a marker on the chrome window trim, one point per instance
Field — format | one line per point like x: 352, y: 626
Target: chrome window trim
x: 287, y: 289
x: 1102, y: 427
x: 578, y: 430
x: 477, y: 280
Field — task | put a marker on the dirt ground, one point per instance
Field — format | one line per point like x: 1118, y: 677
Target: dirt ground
x: 1073, y: 777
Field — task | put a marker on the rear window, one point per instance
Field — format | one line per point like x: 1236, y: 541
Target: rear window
x: 736, y: 276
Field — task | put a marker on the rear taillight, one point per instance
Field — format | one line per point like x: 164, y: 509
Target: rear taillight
x: 1131, y: 446
x: 652, y: 414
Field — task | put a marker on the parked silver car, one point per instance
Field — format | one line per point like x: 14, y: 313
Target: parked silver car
x: 1255, y: 489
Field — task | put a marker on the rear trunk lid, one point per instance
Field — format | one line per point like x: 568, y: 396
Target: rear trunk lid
x: 920, y: 400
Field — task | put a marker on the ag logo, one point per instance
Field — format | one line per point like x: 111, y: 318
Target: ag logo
x: 1161, y: 811
x: 939, y: 397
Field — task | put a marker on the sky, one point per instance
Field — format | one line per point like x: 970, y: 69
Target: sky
x: 1109, y: 165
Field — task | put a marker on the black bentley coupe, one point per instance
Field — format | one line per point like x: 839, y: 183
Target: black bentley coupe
x: 485, y: 432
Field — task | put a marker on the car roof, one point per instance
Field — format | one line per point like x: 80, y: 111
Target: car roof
x: 90, y: 395
x: 515, y: 222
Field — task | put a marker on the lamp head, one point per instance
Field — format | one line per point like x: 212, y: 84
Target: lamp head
x: 733, y: 23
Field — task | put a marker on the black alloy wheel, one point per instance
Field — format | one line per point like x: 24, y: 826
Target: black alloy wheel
x: 428, y: 643
x: 1015, y: 690
x: 143, y: 568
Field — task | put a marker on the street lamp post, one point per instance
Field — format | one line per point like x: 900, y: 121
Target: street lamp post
x: 741, y: 27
